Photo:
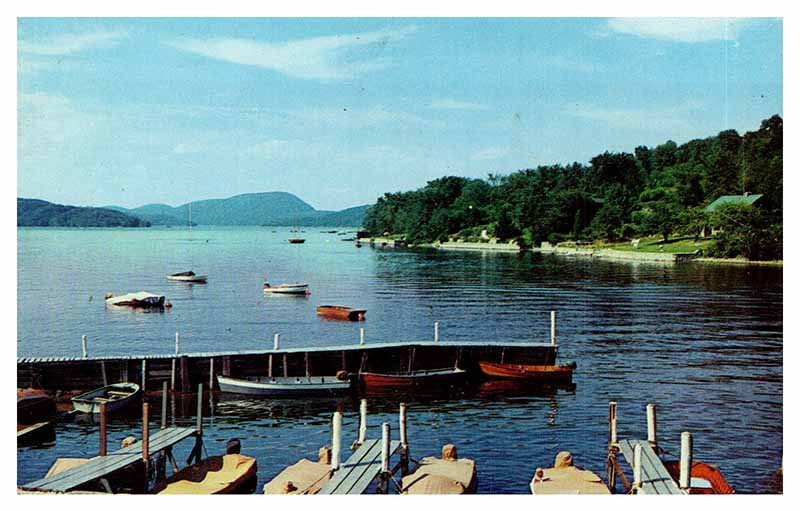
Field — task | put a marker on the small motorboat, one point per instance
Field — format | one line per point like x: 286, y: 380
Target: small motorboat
x: 287, y: 386
x: 706, y: 479
x: 447, y: 475
x: 115, y: 396
x: 140, y: 300
x: 34, y: 406
x: 565, y: 478
x: 414, y: 378
x: 188, y: 276
x: 341, y: 312
x: 544, y: 373
x: 226, y: 474
x: 286, y: 289
x: 296, y: 241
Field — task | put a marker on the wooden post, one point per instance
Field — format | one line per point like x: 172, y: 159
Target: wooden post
x: 269, y: 369
x: 362, y: 336
x: 277, y: 342
x: 226, y: 365
x: 637, y: 466
x: 172, y: 375
x: 651, y: 425
x: 200, y: 408
x: 612, y: 422
x: 123, y: 370
x: 103, y: 435
x: 177, y: 343
x: 362, y: 424
x: 103, y: 370
x: 403, y: 424
x: 174, y: 361
x: 336, y: 441
x: 146, y: 440
x: 436, y: 331
x: 83, y: 347
x: 308, y: 372
x: 144, y: 374
x: 211, y: 374
x: 164, y: 397
x: 553, y: 328
x: 185, y: 374
x: 386, y: 437
x: 285, y: 366
x: 685, y: 479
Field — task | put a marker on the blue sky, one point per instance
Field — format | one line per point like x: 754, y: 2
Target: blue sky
x: 339, y: 111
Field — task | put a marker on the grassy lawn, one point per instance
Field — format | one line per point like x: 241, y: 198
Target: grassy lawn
x: 684, y: 245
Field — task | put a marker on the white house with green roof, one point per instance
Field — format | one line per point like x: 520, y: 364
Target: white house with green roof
x: 746, y: 198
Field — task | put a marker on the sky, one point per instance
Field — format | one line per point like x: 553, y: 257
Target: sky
x: 340, y: 111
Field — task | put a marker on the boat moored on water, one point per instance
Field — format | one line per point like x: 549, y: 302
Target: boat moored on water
x: 286, y: 289
x: 115, y: 396
x: 341, y: 312
x: 34, y: 405
x: 215, y: 475
x: 706, y: 479
x: 420, y: 378
x: 297, y: 241
x: 543, y: 373
x: 287, y: 386
x: 140, y: 300
x: 188, y: 276
x: 565, y: 478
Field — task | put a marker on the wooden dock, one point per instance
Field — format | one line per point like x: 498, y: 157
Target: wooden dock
x: 356, y: 474
x: 655, y: 478
x: 102, y: 466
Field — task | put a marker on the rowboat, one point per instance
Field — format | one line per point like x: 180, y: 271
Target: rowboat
x: 230, y: 473
x: 706, y: 479
x: 341, y: 312
x: 286, y: 386
x: 34, y: 405
x: 141, y: 300
x: 188, y: 276
x: 115, y: 396
x: 545, y: 373
x: 286, y: 289
x: 414, y: 378
x: 297, y: 240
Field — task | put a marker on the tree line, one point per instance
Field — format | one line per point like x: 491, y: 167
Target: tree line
x: 659, y: 191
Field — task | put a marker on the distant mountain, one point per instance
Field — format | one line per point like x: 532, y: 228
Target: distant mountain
x: 40, y: 213
x: 266, y: 208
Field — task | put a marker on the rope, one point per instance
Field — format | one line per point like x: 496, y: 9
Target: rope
x: 611, y: 461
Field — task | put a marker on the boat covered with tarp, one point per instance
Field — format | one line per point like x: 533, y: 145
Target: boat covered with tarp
x: 140, y: 300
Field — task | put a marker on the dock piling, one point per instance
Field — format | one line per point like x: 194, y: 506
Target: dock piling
x: 336, y: 442
x: 651, y: 425
x: 553, y: 328
x: 386, y: 436
x: 210, y: 374
x: 146, y: 441
x: 144, y: 375
x: 177, y: 343
x: 199, y: 408
x: 403, y: 424
x: 285, y: 366
x: 685, y: 478
x: 362, y: 336
x: 103, y: 434
x: 276, y: 343
x: 269, y: 367
x: 164, y: 397
x: 436, y: 331
x: 83, y: 346
x: 103, y: 371
x: 362, y: 424
x: 612, y: 422
x: 637, y: 466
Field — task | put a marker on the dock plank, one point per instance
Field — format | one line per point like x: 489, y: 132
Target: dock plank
x: 355, y: 475
x: 656, y: 480
x: 101, y: 466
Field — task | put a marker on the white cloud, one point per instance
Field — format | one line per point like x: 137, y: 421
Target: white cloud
x: 687, y: 30
x: 68, y: 44
x: 452, y: 104
x: 323, y: 58
x: 665, y: 120
x: 490, y: 153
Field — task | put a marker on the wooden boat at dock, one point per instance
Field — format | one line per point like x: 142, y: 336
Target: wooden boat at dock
x: 544, y: 373
x: 286, y: 289
x: 341, y: 312
x: 34, y: 434
x: 448, y: 475
x: 230, y: 473
x: 115, y: 396
x: 706, y: 479
x: 34, y: 406
x: 140, y: 300
x: 297, y: 241
x: 287, y: 386
x: 430, y: 377
x: 188, y: 276
x: 565, y: 478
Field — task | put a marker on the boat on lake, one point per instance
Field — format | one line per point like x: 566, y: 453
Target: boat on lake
x: 115, y: 396
x: 706, y: 479
x: 544, y: 373
x: 188, y: 276
x: 421, y: 378
x: 286, y: 289
x: 215, y: 475
x: 341, y: 312
x: 565, y: 478
x: 34, y: 406
x: 140, y: 300
x: 296, y: 241
x: 286, y: 386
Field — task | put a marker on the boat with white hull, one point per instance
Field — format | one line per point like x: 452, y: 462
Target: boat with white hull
x: 286, y: 386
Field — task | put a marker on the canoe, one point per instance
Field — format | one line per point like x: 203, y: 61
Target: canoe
x: 706, y: 478
x: 142, y: 300
x: 188, y: 276
x: 286, y: 289
x: 297, y: 240
x: 34, y: 405
x: 230, y: 473
x: 341, y: 312
x: 286, y: 386
x: 115, y: 396
x: 549, y: 373
x: 413, y: 378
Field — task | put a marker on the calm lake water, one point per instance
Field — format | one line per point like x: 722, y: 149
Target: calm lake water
x: 705, y: 343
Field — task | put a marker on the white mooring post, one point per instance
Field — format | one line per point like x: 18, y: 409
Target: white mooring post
x: 637, y: 466
x: 685, y: 479
x: 612, y: 422
x: 83, y: 346
x: 553, y: 328
x: 177, y: 343
x: 436, y: 331
x: 403, y: 424
x: 276, y: 345
x: 651, y: 425
x: 362, y: 339
x: 386, y: 437
x: 336, y: 442
x: 362, y: 424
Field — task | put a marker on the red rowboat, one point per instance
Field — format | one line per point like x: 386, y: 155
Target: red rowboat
x: 706, y: 478
x: 341, y: 312
x: 414, y: 378
x: 551, y: 373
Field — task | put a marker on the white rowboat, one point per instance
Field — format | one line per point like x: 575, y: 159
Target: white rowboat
x: 286, y: 386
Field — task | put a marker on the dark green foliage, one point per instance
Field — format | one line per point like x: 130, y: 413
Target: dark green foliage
x: 618, y: 195
x: 39, y: 213
x: 745, y: 231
